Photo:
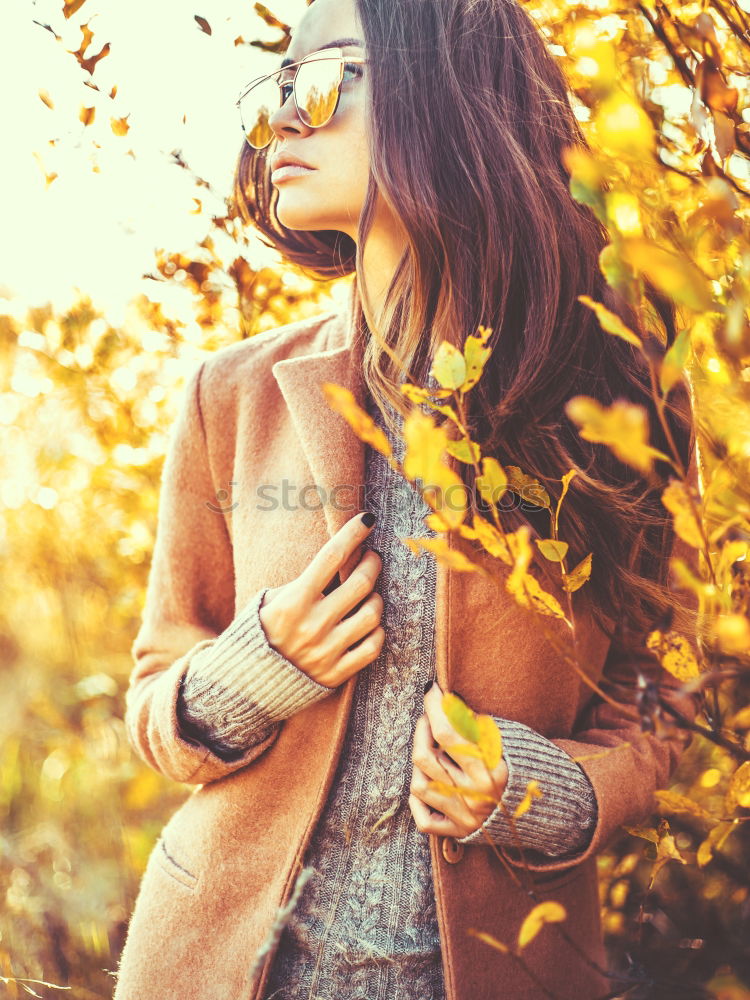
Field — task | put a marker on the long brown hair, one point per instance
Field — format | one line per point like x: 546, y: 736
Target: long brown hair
x: 469, y: 116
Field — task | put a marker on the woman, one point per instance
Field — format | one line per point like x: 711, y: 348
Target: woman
x: 287, y: 674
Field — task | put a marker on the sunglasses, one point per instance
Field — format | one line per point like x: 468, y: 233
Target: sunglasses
x: 316, y: 86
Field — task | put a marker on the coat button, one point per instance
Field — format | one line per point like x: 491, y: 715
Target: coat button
x: 452, y: 850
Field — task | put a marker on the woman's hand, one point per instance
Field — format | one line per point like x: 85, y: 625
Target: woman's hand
x: 329, y: 632
x: 456, y: 815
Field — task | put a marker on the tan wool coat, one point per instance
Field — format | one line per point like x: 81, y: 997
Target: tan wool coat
x: 254, y: 418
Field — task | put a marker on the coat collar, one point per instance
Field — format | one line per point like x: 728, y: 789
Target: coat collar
x: 334, y: 453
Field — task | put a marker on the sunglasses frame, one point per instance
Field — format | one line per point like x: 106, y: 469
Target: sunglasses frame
x: 340, y: 57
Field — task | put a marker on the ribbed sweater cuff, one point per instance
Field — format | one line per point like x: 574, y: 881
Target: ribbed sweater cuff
x: 558, y: 823
x: 238, y: 686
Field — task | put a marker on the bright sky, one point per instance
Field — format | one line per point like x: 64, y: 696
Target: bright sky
x: 98, y: 231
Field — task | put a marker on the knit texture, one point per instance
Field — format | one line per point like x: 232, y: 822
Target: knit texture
x: 365, y: 925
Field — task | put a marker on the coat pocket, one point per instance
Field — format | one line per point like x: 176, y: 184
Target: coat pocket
x: 164, y: 857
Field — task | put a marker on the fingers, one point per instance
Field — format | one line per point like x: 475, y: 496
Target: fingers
x: 318, y: 575
x: 429, y: 766
x: 353, y: 591
x: 450, y: 741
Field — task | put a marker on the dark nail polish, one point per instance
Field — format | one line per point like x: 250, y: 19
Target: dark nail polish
x: 368, y: 519
x: 427, y: 686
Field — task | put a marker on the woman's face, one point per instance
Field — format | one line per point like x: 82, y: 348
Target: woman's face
x: 332, y: 194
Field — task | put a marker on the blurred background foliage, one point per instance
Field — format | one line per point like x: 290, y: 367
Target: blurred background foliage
x: 86, y: 408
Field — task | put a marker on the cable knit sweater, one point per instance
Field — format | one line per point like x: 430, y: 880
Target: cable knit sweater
x: 365, y: 925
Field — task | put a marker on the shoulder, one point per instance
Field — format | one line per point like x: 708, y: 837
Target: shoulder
x: 239, y: 368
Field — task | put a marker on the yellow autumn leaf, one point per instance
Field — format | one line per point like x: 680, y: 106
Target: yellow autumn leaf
x: 552, y: 549
x: 86, y: 115
x: 681, y: 805
x: 476, y: 354
x: 644, y: 832
x: 611, y: 322
x: 442, y: 488
x: 120, y: 125
x: 492, y: 540
x: 623, y: 427
x: 461, y: 717
x: 46, y: 99
x: 449, y: 557
x: 666, y: 850
x: 464, y: 450
x: 528, y: 488
x: 449, y: 366
x: 675, y: 498
x: 674, y: 361
x: 533, y: 791
x: 738, y: 791
x: 675, y: 654
x: 443, y: 788
x: 733, y: 634
x: 490, y: 940
x: 493, y: 482
x: 579, y: 575
x: 674, y: 274
x: 522, y: 585
x: 565, y: 484
x: 623, y: 126
x: 490, y: 741
x: 419, y: 395
x: 714, y: 842
x: 545, y: 913
x: 343, y: 402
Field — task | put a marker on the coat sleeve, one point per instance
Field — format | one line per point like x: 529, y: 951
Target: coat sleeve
x: 625, y: 760
x: 187, y: 634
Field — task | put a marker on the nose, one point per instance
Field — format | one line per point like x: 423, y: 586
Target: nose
x: 286, y: 121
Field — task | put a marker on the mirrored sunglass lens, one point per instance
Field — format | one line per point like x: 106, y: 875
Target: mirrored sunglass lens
x: 256, y: 108
x: 317, y: 90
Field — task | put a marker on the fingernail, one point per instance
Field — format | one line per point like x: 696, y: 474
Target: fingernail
x: 428, y: 685
x: 368, y: 519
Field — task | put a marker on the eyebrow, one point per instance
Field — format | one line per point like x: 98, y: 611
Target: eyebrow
x: 339, y: 43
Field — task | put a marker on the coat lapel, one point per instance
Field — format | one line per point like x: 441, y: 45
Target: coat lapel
x: 334, y: 454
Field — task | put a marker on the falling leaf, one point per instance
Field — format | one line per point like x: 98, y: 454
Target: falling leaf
x: 46, y: 99
x: 120, y: 125
x: 203, y: 23
x: 70, y: 7
x: 675, y: 654
x: 611, y: 322
x: 545, y: 913
x: 86, y: 115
